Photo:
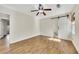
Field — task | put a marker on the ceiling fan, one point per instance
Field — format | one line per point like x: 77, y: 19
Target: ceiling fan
x: 41, y: 10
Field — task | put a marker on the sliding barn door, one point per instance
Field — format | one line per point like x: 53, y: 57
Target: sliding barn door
x: 64, y: 30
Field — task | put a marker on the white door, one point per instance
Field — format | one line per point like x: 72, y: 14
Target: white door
x: 64, y: 30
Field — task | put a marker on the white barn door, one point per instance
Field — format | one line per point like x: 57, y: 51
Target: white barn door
x: 64, y: 30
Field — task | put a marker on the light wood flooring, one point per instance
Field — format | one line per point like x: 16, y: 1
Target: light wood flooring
x: 42, y: 45
x: 3, y: 46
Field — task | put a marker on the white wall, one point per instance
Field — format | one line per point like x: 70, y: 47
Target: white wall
x: 48, y: 27
x: 76, y: 35
x: 37, y: 22
x: 22, y: 26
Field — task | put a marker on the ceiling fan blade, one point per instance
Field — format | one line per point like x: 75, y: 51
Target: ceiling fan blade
x: 37, y: 13
x: 33, y: 10
x: 47, y: 9
x: 44, y: 13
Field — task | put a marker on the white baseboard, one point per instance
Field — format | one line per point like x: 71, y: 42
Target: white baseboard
x: 75, y: 46
x: 22, y: 38
x: 47, y: 35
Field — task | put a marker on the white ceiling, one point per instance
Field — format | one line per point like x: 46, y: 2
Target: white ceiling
x: 26, y: 8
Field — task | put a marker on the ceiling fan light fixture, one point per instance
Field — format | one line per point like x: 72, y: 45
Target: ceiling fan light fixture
x: 40, y: 11
x: 58, y: 5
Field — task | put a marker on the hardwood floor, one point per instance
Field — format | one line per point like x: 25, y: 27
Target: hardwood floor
x: 3, y: 46
x: 43, y: 45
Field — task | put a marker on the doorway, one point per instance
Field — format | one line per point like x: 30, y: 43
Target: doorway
x: 4, y: 33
